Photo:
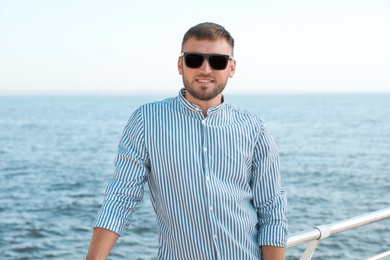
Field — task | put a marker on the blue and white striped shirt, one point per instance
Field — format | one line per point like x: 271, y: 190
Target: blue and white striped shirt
x: 214, y: 181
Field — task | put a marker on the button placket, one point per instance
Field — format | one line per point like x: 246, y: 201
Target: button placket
x: 211, y: 208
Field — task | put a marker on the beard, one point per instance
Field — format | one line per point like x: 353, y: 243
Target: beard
x: 203, y: 93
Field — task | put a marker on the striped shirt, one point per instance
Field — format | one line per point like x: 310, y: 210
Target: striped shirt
x: 214, y: 181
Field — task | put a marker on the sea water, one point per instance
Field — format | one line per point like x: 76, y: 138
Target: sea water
x: 57, y: 152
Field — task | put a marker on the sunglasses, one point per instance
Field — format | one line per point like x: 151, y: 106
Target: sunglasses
x: 195, y: 60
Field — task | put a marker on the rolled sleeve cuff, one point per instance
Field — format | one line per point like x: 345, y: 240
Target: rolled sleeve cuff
x: 112, y: 222
x: 272, y: 235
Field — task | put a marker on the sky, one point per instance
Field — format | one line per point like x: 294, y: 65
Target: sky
x: 132, y: 47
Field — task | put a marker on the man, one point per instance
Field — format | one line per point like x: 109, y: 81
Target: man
x: 212, y: 169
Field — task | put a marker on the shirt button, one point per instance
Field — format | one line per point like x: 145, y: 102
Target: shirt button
x: 215, y: 236
x: 211, y: 208
x: 204, y: 122
x: 207, y: 178
x: 205, y: 149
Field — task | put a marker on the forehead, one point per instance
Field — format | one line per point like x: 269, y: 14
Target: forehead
x: 207, y: 46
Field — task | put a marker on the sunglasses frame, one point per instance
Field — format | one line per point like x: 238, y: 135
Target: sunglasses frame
x: 206, y: 57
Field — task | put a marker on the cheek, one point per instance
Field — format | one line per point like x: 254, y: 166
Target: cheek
x: 188, y: 74
x: 225, y: 75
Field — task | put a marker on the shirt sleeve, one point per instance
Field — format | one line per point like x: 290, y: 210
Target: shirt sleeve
x: 269, y: 199
x: 126, y: 187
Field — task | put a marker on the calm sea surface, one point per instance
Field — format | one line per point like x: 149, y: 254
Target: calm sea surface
x: 57, y: 153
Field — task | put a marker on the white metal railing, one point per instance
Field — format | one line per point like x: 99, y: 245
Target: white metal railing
x: 315, y: 234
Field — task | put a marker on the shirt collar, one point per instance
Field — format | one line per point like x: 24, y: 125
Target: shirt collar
x: 187, y: 104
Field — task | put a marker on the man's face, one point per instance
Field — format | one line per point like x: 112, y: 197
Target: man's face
x: 205, y: 83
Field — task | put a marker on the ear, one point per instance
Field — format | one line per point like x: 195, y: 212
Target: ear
x: 232, y: 68
x: 180, y: 65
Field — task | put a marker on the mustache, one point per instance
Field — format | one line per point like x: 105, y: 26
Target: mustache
x: 205, y: 76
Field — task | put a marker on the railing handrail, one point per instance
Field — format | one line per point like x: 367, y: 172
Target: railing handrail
x: 317, y: 233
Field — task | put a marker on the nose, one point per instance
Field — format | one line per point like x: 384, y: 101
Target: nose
x: 205, y: 66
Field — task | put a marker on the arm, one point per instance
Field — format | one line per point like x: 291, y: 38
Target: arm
x: 269, y: 198
x: 103, y: 240
x: 273, y: 252
x: 123, y: 192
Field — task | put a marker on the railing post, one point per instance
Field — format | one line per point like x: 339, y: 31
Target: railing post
x: 324, y: 233
x: 307, y: 255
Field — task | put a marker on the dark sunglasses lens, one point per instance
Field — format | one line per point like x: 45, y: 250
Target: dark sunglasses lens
x: 193, y: 60
x: 218, y: 62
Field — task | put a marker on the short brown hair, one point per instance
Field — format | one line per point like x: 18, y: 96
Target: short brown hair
x: 208, y: 31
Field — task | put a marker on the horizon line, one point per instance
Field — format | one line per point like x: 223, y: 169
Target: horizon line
x: 169, y: 92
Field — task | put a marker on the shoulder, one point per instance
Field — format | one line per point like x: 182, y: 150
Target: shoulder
x: 149, y: 110
x: 250, y: 121
x: 244, y: 114
x: 154, y: 107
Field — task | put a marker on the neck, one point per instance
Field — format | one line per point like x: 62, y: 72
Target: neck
x: 204, y: 104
